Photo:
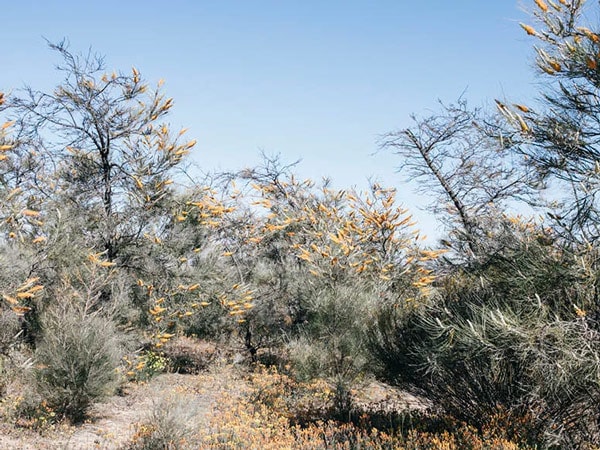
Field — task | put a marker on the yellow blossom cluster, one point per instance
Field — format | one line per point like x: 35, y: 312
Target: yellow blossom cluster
x: 335, y: 232
x: 28, y: 290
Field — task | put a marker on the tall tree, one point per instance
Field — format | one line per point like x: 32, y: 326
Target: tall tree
x: 102, y: 151
x: 561, y: 139
x: 454, y: 156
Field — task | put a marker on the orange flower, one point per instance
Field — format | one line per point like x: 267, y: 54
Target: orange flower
x: 529, y: 29
x: 591, y: 64
x: 542, y: 5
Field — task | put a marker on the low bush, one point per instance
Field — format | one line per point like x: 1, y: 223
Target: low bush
x: 77, y: 360
x: 145, y: 365
x: 506, y: 335
x: 170, y: 426
x: 189, y: 355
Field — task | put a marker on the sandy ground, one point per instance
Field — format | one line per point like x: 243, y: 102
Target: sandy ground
x: 113, y: 422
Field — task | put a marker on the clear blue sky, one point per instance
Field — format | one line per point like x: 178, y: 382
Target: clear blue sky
x: 312, y: 80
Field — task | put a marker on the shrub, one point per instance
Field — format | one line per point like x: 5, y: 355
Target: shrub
x: 170, y: 426
x: 210, y: 323
x: 508, y: 334
x: 145, y: 365
x: 188, y: 355
x: 332, y: 344
x: 9, y: 330
x: 299, y: 402
x: 77, y: 359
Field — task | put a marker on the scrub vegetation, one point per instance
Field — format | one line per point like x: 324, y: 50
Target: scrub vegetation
x: 328, y: 319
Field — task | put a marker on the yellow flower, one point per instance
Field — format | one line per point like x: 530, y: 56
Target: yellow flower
x: 157, y: 310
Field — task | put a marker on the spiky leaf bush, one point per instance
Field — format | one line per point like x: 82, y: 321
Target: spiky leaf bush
x: 509, y: 332
x: 77, y: 360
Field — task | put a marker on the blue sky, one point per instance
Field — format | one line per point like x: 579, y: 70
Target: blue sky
x: 312, y: 80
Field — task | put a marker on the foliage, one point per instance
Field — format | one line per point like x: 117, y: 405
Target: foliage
x: 90, y: 171
x: 170, y: 426
x: 513, y: 322
x: 110, y: 152
x: 189, y: 355
x: 266, y: 416
x: 279, y: 261
x: 498, y: 329
x: 461, y: 165
x: 77, y: 359
x: 559, y: 140
x: 145, y: 366
x: 510, y: 332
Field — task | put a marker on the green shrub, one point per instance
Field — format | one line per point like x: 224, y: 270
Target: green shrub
x: 210, y: 323
x: 77, y: 360
x: 146, y: 365
x: 9, y: 332
x: 508, y: 334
